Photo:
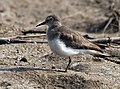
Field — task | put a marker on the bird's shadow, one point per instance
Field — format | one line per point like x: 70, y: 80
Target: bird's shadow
x: 22, y: 69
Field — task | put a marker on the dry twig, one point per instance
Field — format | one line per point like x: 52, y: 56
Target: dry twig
x: 106, y: 40
x: 19, y: 39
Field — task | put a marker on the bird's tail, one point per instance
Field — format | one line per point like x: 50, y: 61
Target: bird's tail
x: 99, y: 54
x: 108, y: 57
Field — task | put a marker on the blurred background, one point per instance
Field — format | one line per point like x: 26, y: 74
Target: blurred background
x: 77, y: 14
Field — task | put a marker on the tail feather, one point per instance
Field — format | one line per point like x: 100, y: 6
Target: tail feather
x: 102, y: 55
x: 107, y: 56
x: 99, y: 54
x: 112, y: 60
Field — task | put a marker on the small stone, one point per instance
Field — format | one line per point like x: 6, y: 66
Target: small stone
x: 23, y: 59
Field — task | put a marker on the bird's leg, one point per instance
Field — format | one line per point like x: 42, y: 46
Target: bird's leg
x: 68, y: 64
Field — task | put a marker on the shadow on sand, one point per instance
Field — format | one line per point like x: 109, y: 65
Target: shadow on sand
x: 22, y: 69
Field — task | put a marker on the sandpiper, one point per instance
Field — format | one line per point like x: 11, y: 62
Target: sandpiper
x: 65, y: 42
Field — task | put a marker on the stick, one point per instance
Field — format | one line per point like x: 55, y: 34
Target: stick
x: 112, y: 60
x: 105, y: 40
x: 33, y: 31
x: 25, y: 41
x: 30, y: 36
x: 110, y: 20
x: 119, y: 25
x: 17, y: 39
x: 9, y: 41
x: 4, y: 40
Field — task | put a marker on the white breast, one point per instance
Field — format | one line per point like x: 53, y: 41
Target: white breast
x: 60, y: 48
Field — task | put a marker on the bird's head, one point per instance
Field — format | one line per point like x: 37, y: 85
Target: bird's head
x: 50, y: 20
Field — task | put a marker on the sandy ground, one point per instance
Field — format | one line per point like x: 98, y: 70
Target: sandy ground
x: 21, y: 63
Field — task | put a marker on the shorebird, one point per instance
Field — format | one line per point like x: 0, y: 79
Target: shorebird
x: 65, y: 42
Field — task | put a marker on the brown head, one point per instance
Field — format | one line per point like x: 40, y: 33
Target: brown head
x: 50, y: 21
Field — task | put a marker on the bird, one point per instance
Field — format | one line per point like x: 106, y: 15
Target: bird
x: 66, y: 42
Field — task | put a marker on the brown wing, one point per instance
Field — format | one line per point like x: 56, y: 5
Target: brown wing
x: 75, y: 40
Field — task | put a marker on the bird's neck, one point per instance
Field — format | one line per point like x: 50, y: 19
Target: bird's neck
x: 51, y: 32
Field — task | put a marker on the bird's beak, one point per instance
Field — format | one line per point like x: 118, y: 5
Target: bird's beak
x: 43, y: 23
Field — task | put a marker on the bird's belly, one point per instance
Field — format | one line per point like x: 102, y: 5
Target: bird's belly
x: 60, y: 48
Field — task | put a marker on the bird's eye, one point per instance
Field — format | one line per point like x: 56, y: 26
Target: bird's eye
x: 50, y: 19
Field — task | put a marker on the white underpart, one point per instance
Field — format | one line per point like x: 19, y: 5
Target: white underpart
x: 60, y: 48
